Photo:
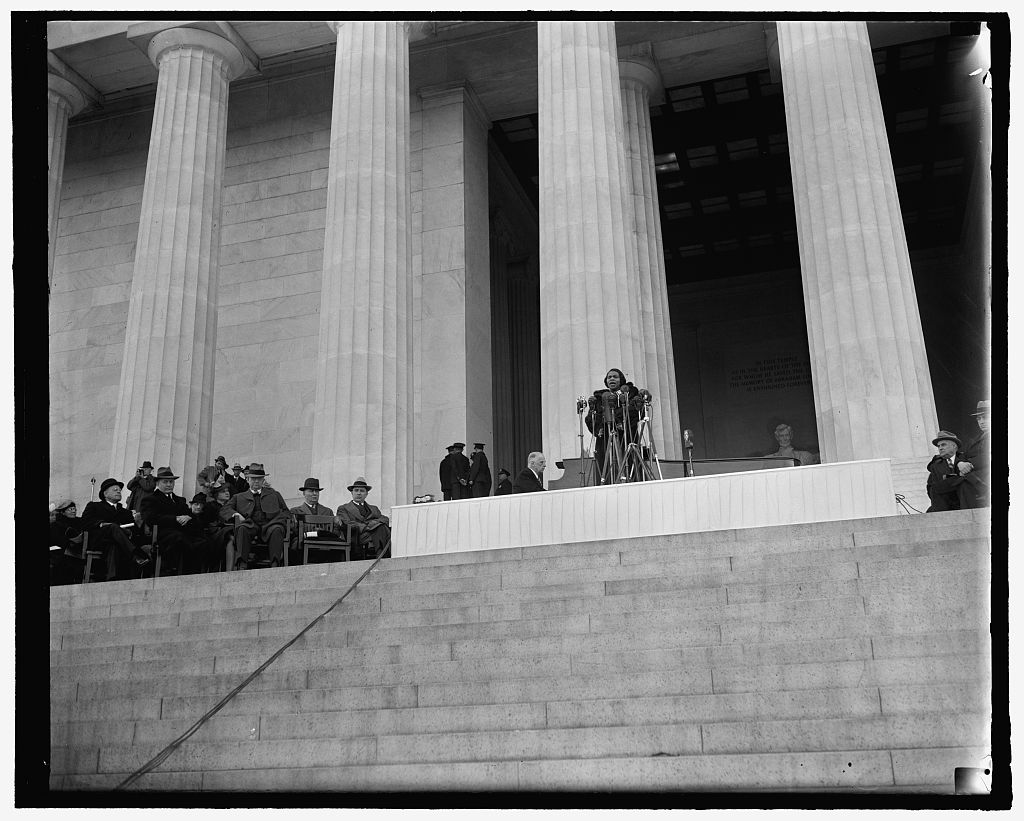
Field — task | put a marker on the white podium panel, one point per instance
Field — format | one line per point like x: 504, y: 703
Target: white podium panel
x: 816, y: 493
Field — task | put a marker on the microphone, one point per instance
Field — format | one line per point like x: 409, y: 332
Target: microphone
x: 645, y: 395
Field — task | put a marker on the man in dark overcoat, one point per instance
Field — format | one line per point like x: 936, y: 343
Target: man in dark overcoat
x: 479, y: 472
x: 947, y: 488
x: 141, y: 485
x: 504, y: 485
x: 445, y: 474
x: 460, y: 466
x: 111, y: 527
x: 174, y: 518
x: 978, y: 457
x: 373, y: 527
x: 311, y: 506
x: 258, y: 510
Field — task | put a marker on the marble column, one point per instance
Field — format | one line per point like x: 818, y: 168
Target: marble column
x: 640, y: 80
x: 165, y: 398
x: 453, y: 316
x: 63, y: 101
x: 363, y: 410
x: 872, y: 388
x: 589, y: 286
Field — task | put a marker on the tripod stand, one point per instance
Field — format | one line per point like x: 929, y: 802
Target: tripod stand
x: 640, y: 462
x: 586, y: 472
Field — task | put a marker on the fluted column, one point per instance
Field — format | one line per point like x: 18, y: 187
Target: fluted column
x: 63, y: 101
x: 164, y: 407
x: 589, y: 287
x: 872, y: 389
x: 364, y: 411
x: 639, y: 80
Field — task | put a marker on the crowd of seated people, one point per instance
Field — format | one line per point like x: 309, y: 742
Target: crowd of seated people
x: 232, y: 514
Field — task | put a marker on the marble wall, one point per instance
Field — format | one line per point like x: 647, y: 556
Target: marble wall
x: 105, y: 167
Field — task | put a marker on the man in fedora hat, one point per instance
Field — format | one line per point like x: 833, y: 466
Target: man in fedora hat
x: 111, y: 528
x: 177, y: 534
x: 261, y: 511
x: 310, y: 507
x: 946, y: 486
x: 977, y: 465
x: 479, y: 472
x: 460, y: 468
x: 373, y: 527
x: 236, y: 479
x: 141, y: 485
x: 212, y: 474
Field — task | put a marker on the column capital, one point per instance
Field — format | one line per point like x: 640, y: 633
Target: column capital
x: 415, y: 29
x: 638, y: 66
x: 173, y: 39
x: 460, y: 91
x: 66, y: 83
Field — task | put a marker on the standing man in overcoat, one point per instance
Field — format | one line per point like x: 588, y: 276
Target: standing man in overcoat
x: 445, y: 475
x: 479, y: 471
x: 461, y: 488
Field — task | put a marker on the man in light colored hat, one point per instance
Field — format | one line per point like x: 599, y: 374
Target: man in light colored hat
x: 373, y: 527
x: 946, y: 487
x: 258, y: 510
x: 977, y: 465
x: 210, y: 475
x: 310, y: 507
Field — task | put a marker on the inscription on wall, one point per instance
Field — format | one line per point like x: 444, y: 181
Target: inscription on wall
x: 771, y: 374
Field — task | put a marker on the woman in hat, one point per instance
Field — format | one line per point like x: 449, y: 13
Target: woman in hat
x: 66, y: 559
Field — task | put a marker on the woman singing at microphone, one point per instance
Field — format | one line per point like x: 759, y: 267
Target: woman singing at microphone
x: 608, y: 417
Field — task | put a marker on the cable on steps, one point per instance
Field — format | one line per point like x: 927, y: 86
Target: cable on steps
x: 166, y: 752
x: 902, y: 502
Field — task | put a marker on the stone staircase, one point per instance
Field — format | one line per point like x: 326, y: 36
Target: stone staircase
x: 834, y: 656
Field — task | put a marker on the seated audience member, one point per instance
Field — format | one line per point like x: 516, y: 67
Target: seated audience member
x: 784, y: 436
x: 259, y: 511
x: 977, y: 465
x: 173, y: 515
x: 215, y: 473
x: 141, y: 485
x: 373, y: 527
x: 236, y: 479
x: 111, y: 530
x: 66, y: 555
x: 504, y: 485
x: 947, y: 487
x: 217, y: 532
x: 531, y: 477
x: 310, y: 507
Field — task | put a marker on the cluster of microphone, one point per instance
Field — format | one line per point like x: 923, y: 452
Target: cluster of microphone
x: 611, y: 398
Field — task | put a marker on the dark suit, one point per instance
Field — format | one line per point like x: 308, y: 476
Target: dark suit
x: 373, y: 527
x: 460, y: 468
x: 103, y: 521
x: 140, y: 487
x: 527, y: 482
x: 269, y: 520
x: 480, y: 474
x: 978, y: 453
x: 162, y: 510
x: 444, y: 472
x: 947, y: 489
x: 504, y: 488
x: 316, y: 510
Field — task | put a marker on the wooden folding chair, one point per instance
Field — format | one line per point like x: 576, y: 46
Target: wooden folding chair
x: 306, y: 523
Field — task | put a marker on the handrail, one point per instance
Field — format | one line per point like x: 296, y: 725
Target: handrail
x: 166, y: 752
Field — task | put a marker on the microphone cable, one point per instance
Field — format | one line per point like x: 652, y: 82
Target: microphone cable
x: 167, y: 751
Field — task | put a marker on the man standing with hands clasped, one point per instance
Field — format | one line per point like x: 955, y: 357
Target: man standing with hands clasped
x: 373, y: 527
x: 479, y: 471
